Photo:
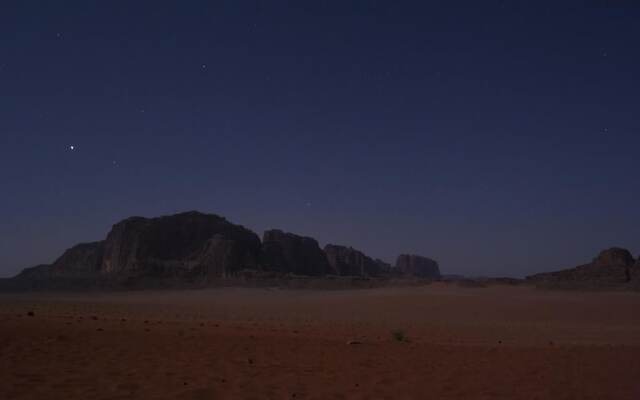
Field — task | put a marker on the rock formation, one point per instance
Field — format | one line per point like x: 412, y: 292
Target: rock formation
x: 414, y: 265
x: 349, y: 261
x: 223, y: 257
x: 81, y: 259
x: 199, y: 248
x: 383, y: 266
x: 289, y: 253
x: 186, y: 244
x: 614, y: 265
x: 176, y: 244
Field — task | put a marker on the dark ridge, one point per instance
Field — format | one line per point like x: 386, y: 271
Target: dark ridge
x: 195, y: 249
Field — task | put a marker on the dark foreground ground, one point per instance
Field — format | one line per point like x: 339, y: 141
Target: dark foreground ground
x: 449, y: 343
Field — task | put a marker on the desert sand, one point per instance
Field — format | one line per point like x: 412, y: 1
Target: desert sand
x: 433, y: 342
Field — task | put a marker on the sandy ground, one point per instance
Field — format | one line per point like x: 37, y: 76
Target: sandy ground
x: 462, y: 343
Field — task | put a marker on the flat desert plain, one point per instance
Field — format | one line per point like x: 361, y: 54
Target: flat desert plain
x: 432, y: 342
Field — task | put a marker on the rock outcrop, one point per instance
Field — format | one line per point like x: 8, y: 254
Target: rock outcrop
x: 414, y: 265
x: 289, y: 253
x: 179, y: 244
x: 349, y: 261
x: 189, y: 244
x: 195, y: 248
x: 37, y: 272
x: 611, y: 266
x: 81, y: 259
x: 383, y: 266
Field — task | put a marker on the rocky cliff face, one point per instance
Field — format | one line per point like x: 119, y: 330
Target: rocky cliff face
x: 614, y: 265
x: 286, y: 252
x: 37, y: 272
x: 222, y: 257
x: 82, y: 259
x: 199, y: 247
x: 179, y: 243
x: 349, y: 261
x: 189, y: 244
x: 383, y: 266
x: 414, y: 265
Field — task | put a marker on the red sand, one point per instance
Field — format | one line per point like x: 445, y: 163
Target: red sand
x: 492, y: 343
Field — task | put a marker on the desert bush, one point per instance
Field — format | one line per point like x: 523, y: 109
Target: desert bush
x: 399, y: 335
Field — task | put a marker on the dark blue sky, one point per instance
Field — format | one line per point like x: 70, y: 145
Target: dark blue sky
x: 500, y: 138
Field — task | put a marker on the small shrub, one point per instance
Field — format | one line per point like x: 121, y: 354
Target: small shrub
x: 399, y: 335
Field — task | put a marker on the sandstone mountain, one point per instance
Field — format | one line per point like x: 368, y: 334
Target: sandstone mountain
x: 414, y: 265
x: 188, y: 244
x: 349, y: 261
x: 197, y: 247
x: 611, y: 266
x: 287, y: 252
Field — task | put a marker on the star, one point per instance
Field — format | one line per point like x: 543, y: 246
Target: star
x: 72, y: 147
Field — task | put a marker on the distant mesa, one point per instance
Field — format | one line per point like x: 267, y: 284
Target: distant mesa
x: 611, y: 267
x: 197, y: 247
x: 188, y: 244
x: 351, y: 262
x: 383, y: 266
x: 287, y: 252
x: 414, y: 265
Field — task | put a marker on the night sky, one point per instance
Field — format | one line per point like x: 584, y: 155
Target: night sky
x: 500, y: 138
